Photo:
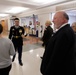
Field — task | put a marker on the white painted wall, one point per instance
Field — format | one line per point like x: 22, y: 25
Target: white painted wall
x: 72, y: 19
x: 42, y: 19
x: 9, y: 23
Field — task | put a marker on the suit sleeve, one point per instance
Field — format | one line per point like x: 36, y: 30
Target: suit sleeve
x: 44, y: 35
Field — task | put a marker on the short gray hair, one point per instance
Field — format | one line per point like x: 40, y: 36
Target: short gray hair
x: 66, y: 15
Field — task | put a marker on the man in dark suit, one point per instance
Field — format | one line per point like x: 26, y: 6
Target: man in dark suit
x: 47, y: 33
x: 16, y: 35
x: 58, y: 57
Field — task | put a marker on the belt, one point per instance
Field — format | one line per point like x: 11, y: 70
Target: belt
x: 16, y: 36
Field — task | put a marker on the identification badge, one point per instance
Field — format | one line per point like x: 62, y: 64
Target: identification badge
x: 20, y: 31
x: 16, y: 36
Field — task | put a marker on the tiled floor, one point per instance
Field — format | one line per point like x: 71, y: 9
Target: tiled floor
x: 32, y: 50
x: 31, y: 63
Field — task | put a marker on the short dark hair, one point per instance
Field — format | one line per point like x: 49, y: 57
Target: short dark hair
x: 16, y: 19
x: 1, y: 28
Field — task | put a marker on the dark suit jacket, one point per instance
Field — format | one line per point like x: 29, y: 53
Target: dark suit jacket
x: 47, y: 34
x: 58, y: 57
x: 75, y: 49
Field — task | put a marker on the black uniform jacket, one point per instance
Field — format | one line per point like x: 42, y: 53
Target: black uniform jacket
x: 16, y: 35
x: 58, y: 57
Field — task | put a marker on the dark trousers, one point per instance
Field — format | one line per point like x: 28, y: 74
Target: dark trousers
x: 37, y: 33
x: 5, y: 71
x: 19, y: 49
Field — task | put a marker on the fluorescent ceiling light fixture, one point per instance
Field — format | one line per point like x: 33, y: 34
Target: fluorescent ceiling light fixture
x: 16, y: 10
x: 3, y: 15
x: 45, y: 1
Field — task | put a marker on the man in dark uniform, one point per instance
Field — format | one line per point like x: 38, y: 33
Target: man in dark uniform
x: 16, y: 35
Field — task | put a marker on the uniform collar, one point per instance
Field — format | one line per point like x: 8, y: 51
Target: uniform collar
x: 16, y: 26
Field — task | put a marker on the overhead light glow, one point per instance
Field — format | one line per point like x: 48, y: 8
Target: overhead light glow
x: 16, y: 10
x: 44, y: 1
x: 3, y: 15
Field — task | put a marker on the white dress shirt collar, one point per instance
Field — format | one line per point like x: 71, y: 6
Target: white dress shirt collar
x: 61, y: 27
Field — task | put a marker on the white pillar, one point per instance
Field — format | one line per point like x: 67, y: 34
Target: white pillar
x: 42, y: 18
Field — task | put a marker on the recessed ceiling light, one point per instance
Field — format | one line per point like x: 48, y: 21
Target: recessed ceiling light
x: 16, y: 10
x: 3, y: 15
x: 44, y: 1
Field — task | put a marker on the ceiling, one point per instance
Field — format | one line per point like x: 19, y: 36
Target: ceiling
x: 7, y: 5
